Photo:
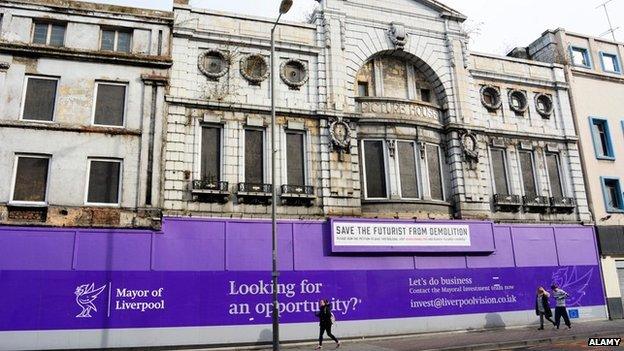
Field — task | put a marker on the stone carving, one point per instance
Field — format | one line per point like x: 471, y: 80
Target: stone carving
x: 327, y: 30
x: 254, y: 68
x: 294, y: 73
x: 470, y: 148
x: 400, y: 109
x: 398, y: 35
x: 490, y: 97
x: 340, y: 135
x: 4, y: 66
x: 518, y: 101
x: 544, y: 105
x: 213, y: 63
x: 391, y: 147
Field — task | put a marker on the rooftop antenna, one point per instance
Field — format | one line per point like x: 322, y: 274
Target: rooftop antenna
x: 611, y: 29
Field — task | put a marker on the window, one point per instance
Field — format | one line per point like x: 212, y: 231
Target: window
x: 580, y: 57
x: 363, y: 89
x: 499, y: 171
x: 110, y: 104
x: 295, y: 160
x: 31, y: 179
x: 612, y: 191
x: 554, y: 175
x: 610, y: 63
x: 528, y: 173
x: 116, y: 40
x: 602, y: 139
x: 435, y: 172
x: 375, y: 169
x: 210, y: 164
x: 254, y: 156
x: 490, y: 97
x: 425, y: 95
x: 39, y: 98
x: 407, y: 169
x: 49, y: 34
x: 104, y: 182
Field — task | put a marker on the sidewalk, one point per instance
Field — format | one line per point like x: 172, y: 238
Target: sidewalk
x: 498, y: 339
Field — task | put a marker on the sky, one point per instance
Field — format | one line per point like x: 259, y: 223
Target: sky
x: 496, y: 26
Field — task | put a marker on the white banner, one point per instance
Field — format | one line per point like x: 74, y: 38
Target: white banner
x: 399, y: 234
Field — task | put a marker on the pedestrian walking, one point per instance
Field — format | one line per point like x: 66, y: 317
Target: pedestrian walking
x: 560, y: 309
x: 326, y: 319
x: 542, y: 307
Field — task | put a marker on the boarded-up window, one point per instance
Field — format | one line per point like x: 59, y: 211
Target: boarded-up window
x: 394, y: 77
x: 407, y: 170
x: 295, y: 159
x: 435, y: 172
x: 375, y: 169
x: 104, y: 180
x: 49, y: 34
x: 31, y: 179
x: 254, y: 156
x: 499, y: 168
x: 110, y: 104
x: 363, y: 89
x: 554, y: 175
x: 116, y: 40
x: 528, y: 173
x: 40, y: 98
x: 211, y: 154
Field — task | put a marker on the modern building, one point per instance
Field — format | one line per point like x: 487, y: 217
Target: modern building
x: 82, y: 109
x: 594, y: 72
x: 422, y: 187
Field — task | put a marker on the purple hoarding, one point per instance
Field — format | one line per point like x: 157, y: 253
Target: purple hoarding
x: 46, y: 300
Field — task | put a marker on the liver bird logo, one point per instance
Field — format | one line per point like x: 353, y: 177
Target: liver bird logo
x: 573, y: 281
x: 85, y: 295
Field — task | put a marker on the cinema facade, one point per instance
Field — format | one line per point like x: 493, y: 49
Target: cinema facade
x: 422, y: 188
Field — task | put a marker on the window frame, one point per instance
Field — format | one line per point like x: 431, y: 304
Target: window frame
x: 598, y: 143
x: 116, y: 38
x: 603, y: 185
x: 25, y: 89
x: 200, y: 133
x: 397, y: 164
x: 17, y: 156
x: 119, y: 186
x: 49, y: 25
x: 533, y: 169
x: 126, y: 85
x: 386, y: 170
x: 586, y: 55
x: 442, y: 178
x: 616, y: 62
x: 306, y: 166
x: 506, y: 168
x: 265, y: 163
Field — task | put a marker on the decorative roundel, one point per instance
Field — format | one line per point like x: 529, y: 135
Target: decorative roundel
x: 544, y: 105
x: 340, y: 134
x: 213, y: 63
x: 469, y: 142
x: 490, y: 97
x: 294, y: 73
x: 254, y: 68
x: 518, y: 101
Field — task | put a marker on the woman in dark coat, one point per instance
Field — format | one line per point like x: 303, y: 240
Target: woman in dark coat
x: 325, y: 323
x: 542, y: 307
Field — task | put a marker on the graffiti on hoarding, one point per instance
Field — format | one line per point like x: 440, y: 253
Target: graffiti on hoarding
x: 145, y: 299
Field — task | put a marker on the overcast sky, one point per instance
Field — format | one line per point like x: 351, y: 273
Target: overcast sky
x: 497, y: 25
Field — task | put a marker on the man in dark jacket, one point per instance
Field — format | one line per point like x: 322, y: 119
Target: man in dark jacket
x: 325, y: 323
x: 542, y: 307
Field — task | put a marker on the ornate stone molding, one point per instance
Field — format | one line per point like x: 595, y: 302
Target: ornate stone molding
x: 248, y: 74
x: 340, y: 134
x: 208, y: 71
x: 398, y: 35
x: 521, y: 97
x: 495, y: 94
x: 290, y: 82
x: 547, y: 102
x: 470, y: 147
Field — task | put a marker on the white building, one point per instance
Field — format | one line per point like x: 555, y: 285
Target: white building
x: 82, y: 90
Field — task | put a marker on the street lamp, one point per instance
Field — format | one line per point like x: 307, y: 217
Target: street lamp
x: 284, y: 7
